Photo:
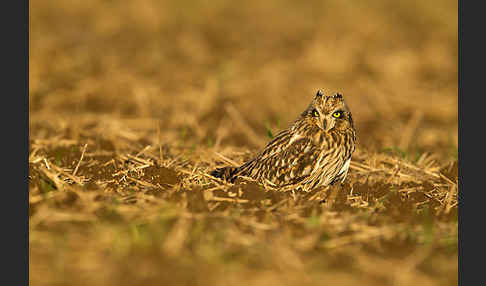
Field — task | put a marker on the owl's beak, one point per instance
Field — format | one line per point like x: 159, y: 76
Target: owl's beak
x: 324, y: 124
x: 327, y: 124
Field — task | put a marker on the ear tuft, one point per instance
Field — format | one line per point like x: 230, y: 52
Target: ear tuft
x: 320, y: 93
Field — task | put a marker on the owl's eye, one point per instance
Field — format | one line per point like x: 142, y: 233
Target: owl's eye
x: 315, y: 113
x: 337, y: 114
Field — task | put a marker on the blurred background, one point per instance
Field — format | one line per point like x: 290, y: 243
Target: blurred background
x: 186, y: 63
x: 186, y: 79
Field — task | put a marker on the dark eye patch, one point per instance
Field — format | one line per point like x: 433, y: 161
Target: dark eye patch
x: 338, y: 114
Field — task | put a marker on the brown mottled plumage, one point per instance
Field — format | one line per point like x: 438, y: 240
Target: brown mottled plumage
x: 315, y: 151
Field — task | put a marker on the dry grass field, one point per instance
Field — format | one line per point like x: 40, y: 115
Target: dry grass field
x: 133, y: 103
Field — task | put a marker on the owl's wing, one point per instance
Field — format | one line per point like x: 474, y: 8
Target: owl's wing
x: 288, y: 159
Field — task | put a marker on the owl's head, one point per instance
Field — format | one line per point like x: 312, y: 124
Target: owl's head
x: 329, y: 112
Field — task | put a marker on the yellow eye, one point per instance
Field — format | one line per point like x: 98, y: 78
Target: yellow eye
x: 337, y: 114
x: 315, y: 113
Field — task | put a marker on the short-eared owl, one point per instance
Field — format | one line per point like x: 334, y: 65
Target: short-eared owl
x: 315, y: 151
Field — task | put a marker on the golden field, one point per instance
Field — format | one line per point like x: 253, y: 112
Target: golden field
x: 133, y: 103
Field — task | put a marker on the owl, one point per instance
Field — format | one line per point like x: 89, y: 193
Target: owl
x: 315, y: 151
